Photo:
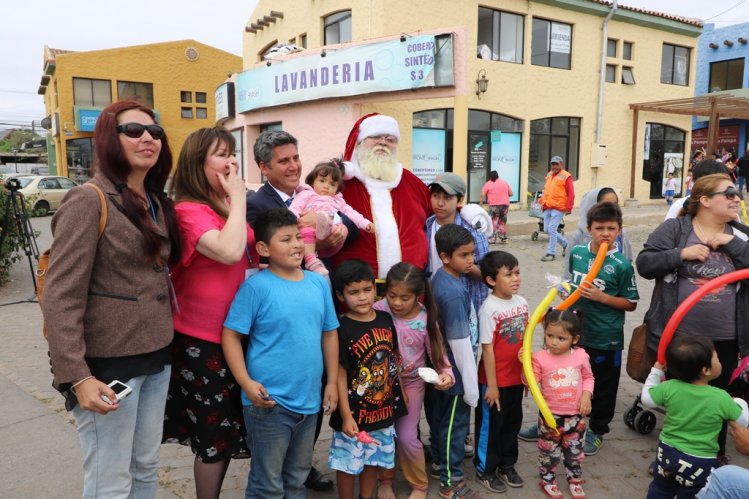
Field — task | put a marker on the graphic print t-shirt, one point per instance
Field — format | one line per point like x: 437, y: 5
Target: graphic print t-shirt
x: 368, y: 353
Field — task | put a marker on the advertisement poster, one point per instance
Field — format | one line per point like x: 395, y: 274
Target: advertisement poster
x: 428, y: 157
x: 506, y: 161
x: 673, y: 163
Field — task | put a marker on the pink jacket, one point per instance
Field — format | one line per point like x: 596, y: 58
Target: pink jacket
x: 306, y: 199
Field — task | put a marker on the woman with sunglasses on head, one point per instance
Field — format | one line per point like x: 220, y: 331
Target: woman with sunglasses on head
x: 204, y: 408
x: 682, y: 254
x: 107, y: 303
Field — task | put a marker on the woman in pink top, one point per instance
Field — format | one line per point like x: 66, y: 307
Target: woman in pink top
x: 496, y: 193
x: 203, y: 408
x: 566, y: 380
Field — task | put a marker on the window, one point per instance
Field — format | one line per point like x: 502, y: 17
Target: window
x: 201, y: 113
x: 675, y: 65
x: 141, y: 92
x: 551, y: 44
x: 610, y: 73
x: 302, y: 41
x: 628, y: 77
x: 726, y: 75
x: 187, y: 112
x: 500, y: 36
x: 627, y: 51
x: 95, y: 93
x: 559, y: 136
x: 185, y: 97
x: 338, y: 28
x: 200, y: 97
x: 65, y: 183
x: 611, y: 47
x: 80, y: 158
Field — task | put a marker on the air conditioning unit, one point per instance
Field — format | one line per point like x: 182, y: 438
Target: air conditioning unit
x: 598, y: 155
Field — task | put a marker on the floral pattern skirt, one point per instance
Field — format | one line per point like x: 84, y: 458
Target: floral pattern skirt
x: 203, y: 407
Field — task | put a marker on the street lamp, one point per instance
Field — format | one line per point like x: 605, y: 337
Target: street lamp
x: 15, y: 159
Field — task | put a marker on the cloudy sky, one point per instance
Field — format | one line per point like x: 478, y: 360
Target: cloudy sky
x: 82, y: 25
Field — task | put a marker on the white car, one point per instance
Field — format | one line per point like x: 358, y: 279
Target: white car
x: 44, y: 192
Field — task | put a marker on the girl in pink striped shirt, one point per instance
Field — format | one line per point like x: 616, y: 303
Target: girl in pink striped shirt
x: 566, y: 380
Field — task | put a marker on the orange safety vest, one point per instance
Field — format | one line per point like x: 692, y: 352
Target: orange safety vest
x: 555, y: 191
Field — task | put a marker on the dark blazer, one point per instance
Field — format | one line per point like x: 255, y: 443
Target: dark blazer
x: 266, y: 198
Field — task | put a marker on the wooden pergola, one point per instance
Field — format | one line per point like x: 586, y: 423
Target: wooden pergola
x: 715, y: 106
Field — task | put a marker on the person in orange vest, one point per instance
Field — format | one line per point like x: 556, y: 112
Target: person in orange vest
x: 557, y: 200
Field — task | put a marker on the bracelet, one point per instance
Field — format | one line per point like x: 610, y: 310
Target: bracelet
x: 72, y: 388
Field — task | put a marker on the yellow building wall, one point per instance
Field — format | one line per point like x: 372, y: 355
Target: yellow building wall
x: 522, y: 91
x: 164, y: 65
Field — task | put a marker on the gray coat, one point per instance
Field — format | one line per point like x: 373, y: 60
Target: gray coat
x: 660, y: 259
x: 102, y: 297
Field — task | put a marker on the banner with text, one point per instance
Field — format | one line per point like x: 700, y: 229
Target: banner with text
x: 377, y: 67
x: 428, y: 157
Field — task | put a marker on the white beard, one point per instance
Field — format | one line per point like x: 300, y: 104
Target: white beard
x: 380, y: 166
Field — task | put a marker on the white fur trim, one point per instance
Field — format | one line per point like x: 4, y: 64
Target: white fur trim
x: 387, y: 238
x: 353, y: 171
x: 378, y: 124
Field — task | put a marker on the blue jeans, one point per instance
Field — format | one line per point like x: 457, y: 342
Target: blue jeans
x: 727, y: 482
x: 121, y: 449
x: 552, y: 219
x: 449, y: 431
x: 281, y: 443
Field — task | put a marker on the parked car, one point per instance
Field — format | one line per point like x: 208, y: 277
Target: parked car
x: 44, y: 192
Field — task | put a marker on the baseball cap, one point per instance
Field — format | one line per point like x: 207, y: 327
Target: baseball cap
x: 452, y: 184
x: 556, y: 159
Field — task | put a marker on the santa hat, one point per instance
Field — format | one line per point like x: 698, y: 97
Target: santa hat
x: 370, y: 125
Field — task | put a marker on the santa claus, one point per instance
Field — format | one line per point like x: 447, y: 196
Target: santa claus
x: 378, y: 187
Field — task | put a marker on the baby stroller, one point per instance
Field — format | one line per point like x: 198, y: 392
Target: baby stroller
x: 536, y: 211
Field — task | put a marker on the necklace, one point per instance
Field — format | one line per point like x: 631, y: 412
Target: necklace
x: 702, y: 233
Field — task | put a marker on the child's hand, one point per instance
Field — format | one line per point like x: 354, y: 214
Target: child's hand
x: 520, y: 354
x: 585, y: 404
x: 258, y: 395
x: 659, y: 366
x: 590, y: 292
x: 492, y: 397
x: 330, y: 398
x: 445, y: 383
x: 349, y: 427
x: 370, y: 228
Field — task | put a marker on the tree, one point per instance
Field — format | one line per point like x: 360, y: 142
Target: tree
x: 16, y: 138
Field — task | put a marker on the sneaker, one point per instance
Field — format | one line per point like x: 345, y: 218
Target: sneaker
x: 548, y: 257
x: 434, y: 471
x: 468, y: 448
x: 576, y: 489
x: 530, y: 434
x: 315, y: 265
x: 593, y: 442
x: 551, y: 490
x: 510, y: 476
x: 491, y: 482
x: 458, y: 491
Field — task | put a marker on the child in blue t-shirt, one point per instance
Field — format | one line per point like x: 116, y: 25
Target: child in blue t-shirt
x: 451, y: 411
x: 286, y: 353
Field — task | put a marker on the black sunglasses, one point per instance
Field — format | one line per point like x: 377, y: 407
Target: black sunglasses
x: 729, y: 193
x: 135, y: 130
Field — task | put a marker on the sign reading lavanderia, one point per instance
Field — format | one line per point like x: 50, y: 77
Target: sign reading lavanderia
x: 419, y: 61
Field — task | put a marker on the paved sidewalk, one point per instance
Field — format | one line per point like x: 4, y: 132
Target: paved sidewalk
x: 41, y: 456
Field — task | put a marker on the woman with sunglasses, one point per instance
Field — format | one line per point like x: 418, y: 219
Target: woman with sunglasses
x: 204, y: 408
x: 682, y: 254
x: 107, y: 303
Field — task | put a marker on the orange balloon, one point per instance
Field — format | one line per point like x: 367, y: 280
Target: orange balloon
x: 592, y: 273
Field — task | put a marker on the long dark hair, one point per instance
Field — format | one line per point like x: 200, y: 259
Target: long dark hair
x: 111, y: 162
x: 414, y: 279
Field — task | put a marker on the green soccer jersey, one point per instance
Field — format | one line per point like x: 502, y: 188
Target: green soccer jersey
x: 603, y: 326
x: 694, y: 415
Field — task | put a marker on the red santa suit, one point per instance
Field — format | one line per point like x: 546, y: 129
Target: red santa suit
x: 398, y: 208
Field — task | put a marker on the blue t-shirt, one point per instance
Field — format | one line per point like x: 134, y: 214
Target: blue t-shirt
x: 284, y: 321
x: 457, y: 318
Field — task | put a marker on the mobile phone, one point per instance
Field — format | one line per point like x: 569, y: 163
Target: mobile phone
x: 121, y: 390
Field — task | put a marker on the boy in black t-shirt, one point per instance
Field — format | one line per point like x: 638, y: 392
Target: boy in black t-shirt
x: 368, y: 385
